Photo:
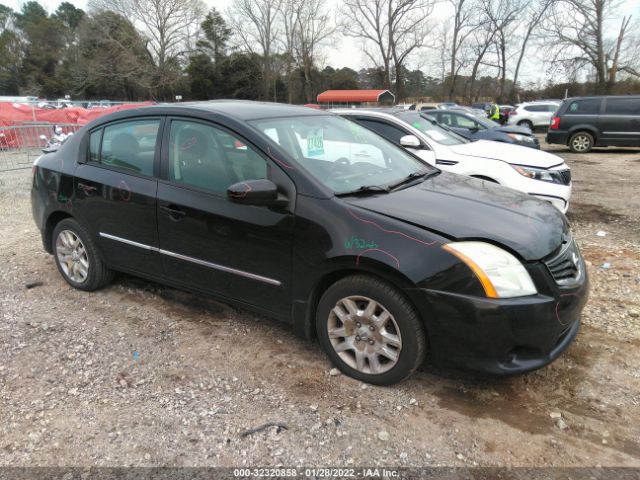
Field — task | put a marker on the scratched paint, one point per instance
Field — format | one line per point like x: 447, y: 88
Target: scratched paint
x: 381, y: 251
x: 391, y: 232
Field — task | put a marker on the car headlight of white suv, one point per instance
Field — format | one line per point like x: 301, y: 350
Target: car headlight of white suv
x: 552, y: 176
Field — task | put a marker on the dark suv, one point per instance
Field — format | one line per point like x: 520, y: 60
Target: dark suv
x: 586, y: 122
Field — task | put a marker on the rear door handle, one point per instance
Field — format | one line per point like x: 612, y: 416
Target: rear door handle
x: 174, y: 212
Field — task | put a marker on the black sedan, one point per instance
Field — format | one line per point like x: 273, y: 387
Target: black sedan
x: 476, y: 128
x: 312, y: 219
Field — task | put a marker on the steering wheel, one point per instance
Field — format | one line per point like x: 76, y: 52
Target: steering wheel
x: 342, y: 165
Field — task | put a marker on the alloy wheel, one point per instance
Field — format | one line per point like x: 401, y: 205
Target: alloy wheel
x: 364, y: 334
x: 581, y: 143
x: 72, y: 256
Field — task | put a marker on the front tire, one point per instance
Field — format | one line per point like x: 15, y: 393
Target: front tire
x: 77, y: 257
x: 581, y: 142
x: 370, y: 331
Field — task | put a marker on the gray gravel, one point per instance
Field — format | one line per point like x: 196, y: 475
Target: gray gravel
x: 139, y: 374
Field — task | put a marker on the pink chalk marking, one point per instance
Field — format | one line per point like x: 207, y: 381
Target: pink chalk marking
x: 558, y: 306
x: 124, y: 187
x: 279, y: 162
x: 377, y: 250
x: 242, y: 194
x: 391, y: 231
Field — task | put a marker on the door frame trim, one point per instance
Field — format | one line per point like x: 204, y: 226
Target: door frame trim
x: 204, y: 263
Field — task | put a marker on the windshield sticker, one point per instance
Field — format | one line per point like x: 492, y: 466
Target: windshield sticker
x: 315, y: 142
x: 436, y: 135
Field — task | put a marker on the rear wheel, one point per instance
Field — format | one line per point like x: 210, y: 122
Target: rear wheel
x: 370, y: 330
x: 526, y: 123
x: 77, y: 257
x: 581, y: 142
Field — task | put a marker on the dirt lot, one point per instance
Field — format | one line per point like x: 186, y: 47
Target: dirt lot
x: 138, y: 374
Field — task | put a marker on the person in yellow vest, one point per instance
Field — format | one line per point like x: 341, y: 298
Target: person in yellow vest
x: 494, y: 112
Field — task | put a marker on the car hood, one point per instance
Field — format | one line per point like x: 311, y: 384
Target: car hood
x: 461, y: 207
x: 509, y: 153
x: 520, y: 130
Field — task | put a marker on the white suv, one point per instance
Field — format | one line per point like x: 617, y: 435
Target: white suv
x: 531, y: 171
x: 533, y: 114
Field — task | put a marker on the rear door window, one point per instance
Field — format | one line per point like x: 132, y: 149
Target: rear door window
x: 584, y: 107
x: 130, y: 146
x: 536, y: 108
x: 623, y: 106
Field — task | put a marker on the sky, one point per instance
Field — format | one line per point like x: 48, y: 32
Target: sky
x: 345, y: 52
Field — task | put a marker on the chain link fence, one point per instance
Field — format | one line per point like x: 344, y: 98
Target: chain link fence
x: 20, y: 145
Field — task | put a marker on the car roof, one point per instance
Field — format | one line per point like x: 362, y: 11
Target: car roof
x: 239, y: 109
x: 588, y: 97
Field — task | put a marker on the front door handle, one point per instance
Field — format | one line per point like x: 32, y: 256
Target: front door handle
x: 174, y: 212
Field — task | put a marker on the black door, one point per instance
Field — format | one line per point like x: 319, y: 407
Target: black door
x: 115, y: 193
x: 207, y: 242
x: 621, y: 121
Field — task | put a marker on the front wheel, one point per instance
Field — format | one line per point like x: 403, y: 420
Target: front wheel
x: 581, y: 142
x: 370, y: 330
x: 77, y: 257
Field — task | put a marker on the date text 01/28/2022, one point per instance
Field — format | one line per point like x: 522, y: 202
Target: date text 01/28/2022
x: 316, y: 472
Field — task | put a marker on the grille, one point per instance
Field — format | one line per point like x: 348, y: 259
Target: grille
x: 566, y: 267
x: 566, y: 176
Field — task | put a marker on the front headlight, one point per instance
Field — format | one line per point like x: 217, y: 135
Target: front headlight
x: 500, y: 273
x: 552, y: 176
x: 521, y: 138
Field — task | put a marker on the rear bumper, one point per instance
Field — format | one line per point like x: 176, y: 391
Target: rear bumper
x: 556, y: 137
x: 503, y: 336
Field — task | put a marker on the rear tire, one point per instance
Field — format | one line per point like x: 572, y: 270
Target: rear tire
x: 77, y: 257
x: 370, y: 331
x: 526, y: 123
x: 581, y: 142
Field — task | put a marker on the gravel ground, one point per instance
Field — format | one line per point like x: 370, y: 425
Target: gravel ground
x: 139, y: 374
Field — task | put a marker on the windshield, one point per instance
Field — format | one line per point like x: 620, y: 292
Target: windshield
x: 432, y: 129
x: 341, y: 154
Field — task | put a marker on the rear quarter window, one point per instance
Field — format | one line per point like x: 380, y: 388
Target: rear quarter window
x: 584, y: 107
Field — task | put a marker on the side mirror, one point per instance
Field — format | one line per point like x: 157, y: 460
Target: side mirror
x: 410, y: 141
x: 256, y: 192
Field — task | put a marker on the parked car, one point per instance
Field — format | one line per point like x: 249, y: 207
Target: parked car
x: 533, y: 114
x: 505, y: 111
x: 477, y: 128
x: 586, y: 122
x: 538, y: 173
x: 421, y: 106
x: 483, y: 106
x: 312, y: 219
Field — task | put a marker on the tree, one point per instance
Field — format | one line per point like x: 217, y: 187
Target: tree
x: 465, y: 22
x: 43, y: 45
x: 314, y: 26
x: 216, y: 35
x: 113, y: 61
x: 589, y: 33
x: 169, y: 27
x: 10, y: 48
x: 390, y: 30
x: 256, y: 25
x: 202, y: 76
x: 534, y: 14
x: 502, y: 15
x: 242, y: 72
